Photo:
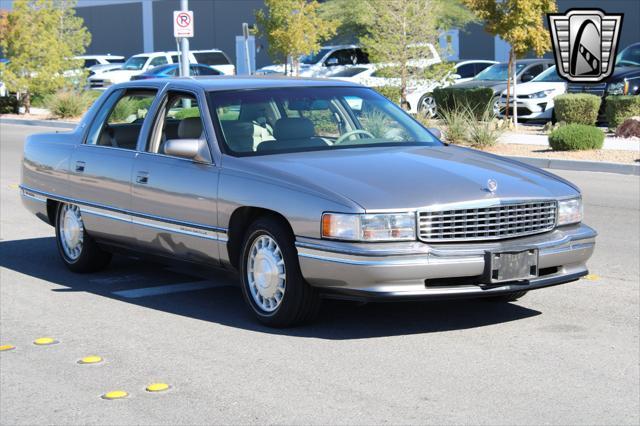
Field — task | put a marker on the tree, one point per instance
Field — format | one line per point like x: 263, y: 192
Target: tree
x: 293, y: 28
x: 519, y: 23
x: 40, y: 39
x: 402, y: 34
x: 355, y: 17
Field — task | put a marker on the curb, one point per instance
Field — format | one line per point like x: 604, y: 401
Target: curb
x: 580, y: 165
x: 44, y: 123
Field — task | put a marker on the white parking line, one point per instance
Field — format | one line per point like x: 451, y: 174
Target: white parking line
x: 166, y: 289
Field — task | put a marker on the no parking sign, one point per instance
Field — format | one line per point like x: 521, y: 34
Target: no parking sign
x: 182, y: 23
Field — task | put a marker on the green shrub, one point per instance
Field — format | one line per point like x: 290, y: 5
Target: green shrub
x: 187, y: 113
x: 619, y: 108
x: 477, y: 99
x: 577, y: 108
x: 574, y: 137
x: 457, y: 123
x: 484, y: 132
x: 66, y: 104
x: 8, y: 105
x: 390, y: 92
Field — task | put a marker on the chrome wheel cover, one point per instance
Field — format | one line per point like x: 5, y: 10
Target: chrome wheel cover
x: 266, y: 273
x: 428, y: 106
x: 71, y: 231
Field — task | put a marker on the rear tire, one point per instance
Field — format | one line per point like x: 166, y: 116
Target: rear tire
x: 505, y: 298
x: 79, y: 252
x: 427, y: 106
x: 272, y: 284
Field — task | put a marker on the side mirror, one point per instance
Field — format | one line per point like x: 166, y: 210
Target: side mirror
x: 331, y: 62
x: 192, y: 149
x: 455, y: 76
x: 526, y: 77
x: 435, y: 132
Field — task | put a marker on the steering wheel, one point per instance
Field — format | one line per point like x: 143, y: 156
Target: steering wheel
x: 347, y: 135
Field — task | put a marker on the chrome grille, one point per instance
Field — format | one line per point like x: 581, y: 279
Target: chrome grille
x: 487, y: 223
x: 594, y: 89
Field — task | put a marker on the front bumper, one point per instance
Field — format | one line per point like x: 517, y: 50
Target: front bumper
x: 416, y: 270
x: 538, y: 108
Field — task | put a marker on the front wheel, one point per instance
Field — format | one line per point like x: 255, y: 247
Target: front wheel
x: 79, y: 252
x: 427, y: 106
x: 272, y: 284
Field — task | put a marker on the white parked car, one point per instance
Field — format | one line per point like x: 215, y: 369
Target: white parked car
x: 142, y: 62
x: 326, y: 61
x: 419, y: 93
x: 92, y: 60
x: 535, y: 98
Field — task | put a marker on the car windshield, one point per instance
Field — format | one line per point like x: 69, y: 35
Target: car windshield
x: 629, y: 56
x: 498, y: 72
x: 271, y: 121
x: 135, y: 63
x: 313, y: 58
x: 549, y: 75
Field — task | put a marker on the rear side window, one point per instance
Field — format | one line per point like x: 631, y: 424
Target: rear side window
x: 211, y: 58
x: 466, y: 71
x: 90, y: 62
x: 118, y: 123
x: 206, y: 71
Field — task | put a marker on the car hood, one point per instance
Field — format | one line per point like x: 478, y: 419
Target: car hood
x: 118, y: 74
x: 538, y: 86
x: 388, y: 178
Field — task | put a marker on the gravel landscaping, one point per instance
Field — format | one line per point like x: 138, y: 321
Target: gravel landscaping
x: 606, y: 155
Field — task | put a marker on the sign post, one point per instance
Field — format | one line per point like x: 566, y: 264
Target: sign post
x: 183, y: 30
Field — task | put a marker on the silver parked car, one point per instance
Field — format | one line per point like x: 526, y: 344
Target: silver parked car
x: 309, y: 188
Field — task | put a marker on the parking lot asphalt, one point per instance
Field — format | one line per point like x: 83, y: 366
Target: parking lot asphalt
x: 562, y: 355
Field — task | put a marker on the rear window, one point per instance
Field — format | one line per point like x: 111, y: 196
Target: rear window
x: 211, y: 58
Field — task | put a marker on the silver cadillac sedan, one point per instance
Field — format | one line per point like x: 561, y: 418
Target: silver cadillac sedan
x: 308, y: 188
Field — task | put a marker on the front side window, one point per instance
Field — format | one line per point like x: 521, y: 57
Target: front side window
x: 268, y: 121
x: 549, y: 75
x: 118, y: 123
x: 179, y: 118
x: 465, y: 71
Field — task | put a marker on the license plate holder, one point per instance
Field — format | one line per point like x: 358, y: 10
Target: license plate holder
x: 511, y: 266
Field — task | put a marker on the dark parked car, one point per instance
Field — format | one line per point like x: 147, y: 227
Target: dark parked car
x: 625, y: 79
x: 173, y: 70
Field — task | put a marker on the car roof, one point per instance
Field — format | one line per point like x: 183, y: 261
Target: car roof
x: 220, y: 83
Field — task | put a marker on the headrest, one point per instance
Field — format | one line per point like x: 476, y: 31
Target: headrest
x: 190, y: 128
x: 293, y: 128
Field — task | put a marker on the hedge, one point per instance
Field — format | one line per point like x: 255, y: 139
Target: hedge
x: 8, y: 105
x: 575, y: 137
x: 619, y: 108
x: 577, y: 108
x: 477, y: 100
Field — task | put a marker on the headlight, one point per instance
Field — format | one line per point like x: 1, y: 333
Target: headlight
x: 616, y: 88
x: 542, y: 94
x: 569, y: 211
x: 369, y: 227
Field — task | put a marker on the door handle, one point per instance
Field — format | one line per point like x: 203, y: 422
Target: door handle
x: 142, y: 178
x: 80, y: 166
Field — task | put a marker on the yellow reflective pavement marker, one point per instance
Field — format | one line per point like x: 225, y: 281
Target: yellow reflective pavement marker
x: 157, y: 387
x: 592, y: 277
x: 42, y: 341
x: 115, y: 395
x: 6, y: 348
x: 92, y: 359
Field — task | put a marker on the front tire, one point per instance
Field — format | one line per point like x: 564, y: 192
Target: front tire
x: 272, y: 284
x: 79, y: 252
x: 427, y: 106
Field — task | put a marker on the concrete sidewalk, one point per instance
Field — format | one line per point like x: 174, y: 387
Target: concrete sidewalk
x: 613, y: 143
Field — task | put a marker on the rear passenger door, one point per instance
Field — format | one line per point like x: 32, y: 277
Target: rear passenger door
x: 100, y: 169
x: 174, y: 198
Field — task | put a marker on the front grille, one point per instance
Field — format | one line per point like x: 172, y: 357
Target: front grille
x: 487, y: 223
x: 96, y: 83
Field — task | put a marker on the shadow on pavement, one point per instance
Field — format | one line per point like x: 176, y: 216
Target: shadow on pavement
x: 38, y: 258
